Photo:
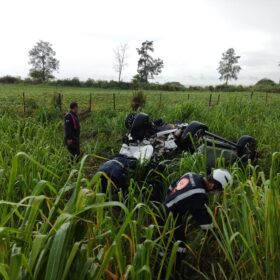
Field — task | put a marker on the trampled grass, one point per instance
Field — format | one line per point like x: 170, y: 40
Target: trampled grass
x: 54, y: 223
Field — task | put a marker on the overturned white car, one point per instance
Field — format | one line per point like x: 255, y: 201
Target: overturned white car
x: 153, y: 140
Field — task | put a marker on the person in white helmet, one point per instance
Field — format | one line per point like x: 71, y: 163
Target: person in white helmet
x: 189, y: 195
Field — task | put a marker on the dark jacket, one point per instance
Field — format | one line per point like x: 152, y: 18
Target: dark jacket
x: 188, y: 195
x: 116, y: 169
x: 72, y: 127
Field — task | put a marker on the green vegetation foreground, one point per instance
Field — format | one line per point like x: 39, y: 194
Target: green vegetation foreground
x: 54, y: 223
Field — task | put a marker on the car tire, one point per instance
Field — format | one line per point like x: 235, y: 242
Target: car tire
x: 193, y: 130
x: 129, y: 120
x: 246, y: 148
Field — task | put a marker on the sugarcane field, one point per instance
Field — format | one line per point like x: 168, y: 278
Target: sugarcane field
x: 153, y: 168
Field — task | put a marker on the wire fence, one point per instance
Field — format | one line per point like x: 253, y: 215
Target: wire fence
x: 24, y: 101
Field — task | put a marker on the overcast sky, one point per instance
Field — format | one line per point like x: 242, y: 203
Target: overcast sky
x: 189, y: 35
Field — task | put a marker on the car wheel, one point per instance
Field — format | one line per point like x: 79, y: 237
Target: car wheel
x: 129, y: 120
x: 246, y: 148
x: 193, y: 131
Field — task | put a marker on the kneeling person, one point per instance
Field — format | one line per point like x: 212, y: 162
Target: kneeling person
x: 189, y: 195
x: 116, y: 170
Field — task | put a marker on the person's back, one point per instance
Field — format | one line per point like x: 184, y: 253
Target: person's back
x: 116, y: 170
x: 188, y: 195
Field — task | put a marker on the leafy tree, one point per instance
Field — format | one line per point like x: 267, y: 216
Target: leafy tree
x: 148, y: 67
x: 9, y: 79
x: 120, y: 59
x: 228, y: 66
x: 42, y: 58
x: 265, y: 82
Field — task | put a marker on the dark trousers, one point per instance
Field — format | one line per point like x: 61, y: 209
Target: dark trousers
x: 74, y: 150
x: 179, y: 234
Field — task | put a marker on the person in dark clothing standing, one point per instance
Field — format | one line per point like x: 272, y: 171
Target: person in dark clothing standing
x: 72, y: 130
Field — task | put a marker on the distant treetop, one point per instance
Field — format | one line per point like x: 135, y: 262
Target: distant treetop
x: 265, y: 82
x: 42, y: 58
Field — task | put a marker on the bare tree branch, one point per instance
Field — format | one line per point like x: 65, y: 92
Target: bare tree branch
x: 120, y: 59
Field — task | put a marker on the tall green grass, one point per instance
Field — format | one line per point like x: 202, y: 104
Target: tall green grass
x: 55, y: 224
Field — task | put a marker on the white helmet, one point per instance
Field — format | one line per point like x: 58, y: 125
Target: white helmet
x: 223, y: 177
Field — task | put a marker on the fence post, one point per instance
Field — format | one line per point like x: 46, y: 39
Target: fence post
x: 23, y: 100
x: 218, y: 101
x: 266, y: 98
x: 252, y: 93
x: 188, y: 96
x: 210, y: 99
x: 114, y: 101
x: 160, y: 100
x: 90, y: 102
x: 60, y: 101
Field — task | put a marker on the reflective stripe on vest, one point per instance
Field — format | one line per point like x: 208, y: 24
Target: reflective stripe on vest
x: 181, y: 250
x: 184, y: 195
x: 116, y: 161
x: 207, y: 226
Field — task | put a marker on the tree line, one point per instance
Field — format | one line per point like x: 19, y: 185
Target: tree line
x: 43, y: 61
x: 264, y: 85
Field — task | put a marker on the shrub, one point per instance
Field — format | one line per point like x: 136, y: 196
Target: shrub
x: 138, y: 100
x: 173, y: 86
x: 265, y: 82
x: 57, y: 100
x: 9, y: 79
x: 30, y: 105
x: 89, y: 83
x: 27, y: 81
x: 125, y: 85
x: 102, y: 84
x: 267, y: 85
x: 195, y: 88
x: 230, y: 88
x: 74, y: 82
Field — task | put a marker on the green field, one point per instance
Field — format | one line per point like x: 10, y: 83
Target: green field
x: 54, y: 223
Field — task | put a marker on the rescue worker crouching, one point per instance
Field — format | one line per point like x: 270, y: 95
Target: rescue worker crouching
x: 116, y: 170
x: 189, y: 195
